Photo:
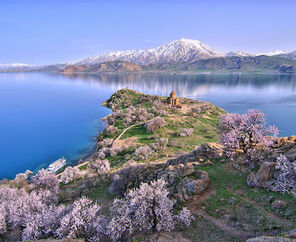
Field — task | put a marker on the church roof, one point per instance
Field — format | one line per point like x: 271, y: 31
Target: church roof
x: 173, y: 93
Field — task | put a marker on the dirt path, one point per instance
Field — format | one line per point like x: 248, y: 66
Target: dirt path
x: 195, y: 208
x: 126, y: 129
x: 261, y: 209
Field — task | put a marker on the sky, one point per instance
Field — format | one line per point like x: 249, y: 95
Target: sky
x: 55, y: 31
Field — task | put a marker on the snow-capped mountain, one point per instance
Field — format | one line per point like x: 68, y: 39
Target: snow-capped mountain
x: 290, y: 56
x: 183, y: 50
x: 14, y: 65
x: 272, y: 53
x: 239, y: 54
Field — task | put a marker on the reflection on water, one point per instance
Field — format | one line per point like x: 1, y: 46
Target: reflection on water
x: 189, y: 85
x: 273, y: 94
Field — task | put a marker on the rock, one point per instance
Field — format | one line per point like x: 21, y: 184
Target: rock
x: 188, y: 187
x: 269, y: 239
x: 205, y: 151
x: 265, y: 172
x: 185, y: 170
x: 252, y: 180
x: 195, y: 163
x: 171, y: 168
x: 240, y: 159
x: 261, y: 178
x: 208, y: 163
x: 190, y: 159
x: 278, y: 204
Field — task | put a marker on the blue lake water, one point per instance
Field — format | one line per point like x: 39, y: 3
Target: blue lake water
x: 46, y: 116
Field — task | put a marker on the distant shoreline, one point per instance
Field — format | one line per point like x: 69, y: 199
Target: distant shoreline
x: 154, y: 72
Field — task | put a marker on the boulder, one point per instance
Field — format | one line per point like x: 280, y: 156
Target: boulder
x: 264, y: 174
x: 205, y: 151
x: 195, y: 163
x: 208, y: 163
x: 278, y: 204
x: 185, y: 170
x: 252, y: 180
x: 189, y: 187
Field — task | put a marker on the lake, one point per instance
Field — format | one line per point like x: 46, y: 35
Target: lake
x: 46, y: 116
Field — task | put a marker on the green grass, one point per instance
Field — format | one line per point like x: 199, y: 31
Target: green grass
x: 245, y: 205
x: 100, y: 193
x: 84, y: 167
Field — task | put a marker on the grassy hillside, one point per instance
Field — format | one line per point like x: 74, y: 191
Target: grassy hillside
x: 228, y: 210
x: 258, y: 64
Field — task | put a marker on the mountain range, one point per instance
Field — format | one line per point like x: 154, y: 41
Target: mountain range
x: 179, y: 55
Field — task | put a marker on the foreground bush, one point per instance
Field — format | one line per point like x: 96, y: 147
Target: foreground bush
x: 35, y: 212
x: 146, y: 209
x: 70, y: 174
x: 83, y: 221
x: 46, y: 180
x: 38, y: 216
x: 3, y: 225
x: 285, y: 176
x: 247, y: 132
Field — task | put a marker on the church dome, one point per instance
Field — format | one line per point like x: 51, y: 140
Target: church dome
x: 173, y: 94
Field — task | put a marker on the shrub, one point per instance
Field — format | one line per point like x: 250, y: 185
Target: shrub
x: 40, y: 218
x: 111, y: 130
x: 70, y: 174
x: 285, y: 176
x: 83, y: 221
x: 105, y: 143
x: 35, y: 212
x: 155, y: 124
x: 141, y: 114
x: 184, y: 217
x: 159, y: 108
x: 145, y: 209
x: 111, y: 151
x: 127, y: 121
x: 46, y: 180
x: 101, y: 166
x: 247, y: 132
x: 185, y: 132
x: 3, y: 226
x: 25, y: 175
x: 160, y: 144
x: 142, y: 153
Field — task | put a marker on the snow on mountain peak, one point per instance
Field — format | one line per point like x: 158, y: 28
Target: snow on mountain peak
x: 14, y: 65
x: 176, y: 51
x: 239, y: 54
x: 272, y: 53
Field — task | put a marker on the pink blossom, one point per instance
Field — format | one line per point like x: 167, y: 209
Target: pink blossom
x: 155, y: 124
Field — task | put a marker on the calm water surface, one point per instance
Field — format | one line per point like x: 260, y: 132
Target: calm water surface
x: 45, y: 116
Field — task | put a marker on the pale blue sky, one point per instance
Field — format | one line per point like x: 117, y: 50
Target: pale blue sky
x: 51, y: 31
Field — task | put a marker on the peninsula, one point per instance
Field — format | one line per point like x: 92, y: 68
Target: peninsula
x: 175, y: 161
